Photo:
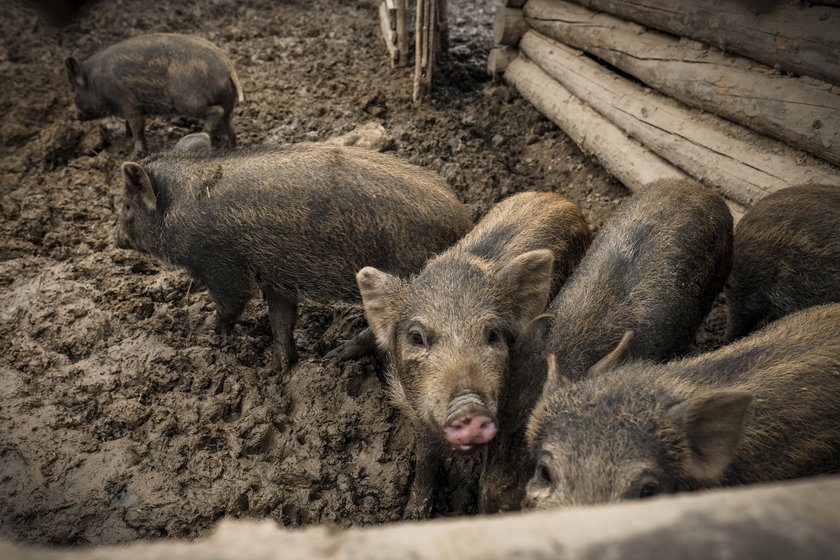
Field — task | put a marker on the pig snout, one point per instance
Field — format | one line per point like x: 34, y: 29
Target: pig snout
x: 468, y: 422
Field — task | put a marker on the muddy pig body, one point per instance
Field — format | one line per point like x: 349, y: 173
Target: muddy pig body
x: 786, y: 256
x: 297, y: 221
x: 158, y: 74
x: 656, y: 268
x: 449, y: 328
x: 765, y: 408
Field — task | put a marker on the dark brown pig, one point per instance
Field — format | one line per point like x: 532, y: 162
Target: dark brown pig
x: 656, y: 268
x: 449, y: 328
x: 765, y: 408
x: 296, y: 221
x: 158, y: 74
x: 786, y: 256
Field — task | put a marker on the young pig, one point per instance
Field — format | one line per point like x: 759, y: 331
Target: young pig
x: 656, y: 268
x: 449, y: 328
x: 786, y: 256
x: 296, y: 221
x: 765, y: 408
x: 158, y: 74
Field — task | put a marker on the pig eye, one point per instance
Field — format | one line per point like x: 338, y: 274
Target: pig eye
x: 493, y: 336
x: 415, y: 338
x: 543, y: 474
x: 649, y: 489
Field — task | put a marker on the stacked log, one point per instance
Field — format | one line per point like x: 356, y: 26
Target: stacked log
x: 686, y: 107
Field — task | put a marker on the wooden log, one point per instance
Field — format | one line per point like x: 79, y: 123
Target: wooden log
x: 795, y: 519
x: 508, y: 26
x: 387, y: 25
x: 499, y: 59
x: 800, y: 111
x: 803, y: 40
x: 624, y: 158
x: 745, y: 165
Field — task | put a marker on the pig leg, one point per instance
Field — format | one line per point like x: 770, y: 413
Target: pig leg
x: 282, y: 314
x: 135, y: 122
x: 427, y: 464
x: 229, y: 306
x: 217, y: 122
x: 361, y: 345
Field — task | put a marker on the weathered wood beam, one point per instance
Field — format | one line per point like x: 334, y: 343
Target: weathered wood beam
x: 745, y: 165
x: 802, y: 39
x: 803, y: 112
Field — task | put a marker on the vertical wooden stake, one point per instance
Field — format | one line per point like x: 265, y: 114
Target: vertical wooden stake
x: 402, y: 36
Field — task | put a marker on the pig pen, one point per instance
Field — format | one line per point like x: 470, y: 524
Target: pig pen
x: 122, y: 415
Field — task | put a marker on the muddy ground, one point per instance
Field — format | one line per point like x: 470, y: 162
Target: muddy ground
x: 122, y: 415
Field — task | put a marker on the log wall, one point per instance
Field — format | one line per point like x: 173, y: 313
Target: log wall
x: 729, y: 121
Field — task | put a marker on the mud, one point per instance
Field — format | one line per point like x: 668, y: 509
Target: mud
x: 122, y: 415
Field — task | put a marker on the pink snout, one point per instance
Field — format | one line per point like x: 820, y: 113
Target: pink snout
x: 470, y: 425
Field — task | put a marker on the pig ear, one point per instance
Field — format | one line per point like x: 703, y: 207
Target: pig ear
x: 74, y: 72
x: 196, y: 143
x: 554, y: 378
x: 712, y: 424
x: 621, y: 354
x: 526, y: 282
x: 138, y: 182
x: 379, y: 289
x: 534, y: 334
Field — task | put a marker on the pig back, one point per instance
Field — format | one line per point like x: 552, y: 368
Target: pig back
x: 305, y: 218
x: 164, y: 73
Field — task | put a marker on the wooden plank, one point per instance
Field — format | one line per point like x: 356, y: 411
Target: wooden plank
x: 745, y: 165
x: 800, y: 111
x: 798, y: 38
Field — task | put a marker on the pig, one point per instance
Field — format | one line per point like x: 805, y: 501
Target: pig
x: 656, y: 267
x: 764, y: 408
x: 158, y: 74
x: 786, y: 257
x: 297, y: 221
x: 449, y: 328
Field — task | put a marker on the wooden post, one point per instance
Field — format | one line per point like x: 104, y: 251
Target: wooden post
x: 387, y: 17
x: 803, y: 112
x: 745, y: 165
x: 425, y: 39
x: 402, y: 33
x: 443, y: 26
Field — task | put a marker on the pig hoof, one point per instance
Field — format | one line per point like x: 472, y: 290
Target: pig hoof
x: 418, y: 511
x: 347, y: 351
x: 283, y: 358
